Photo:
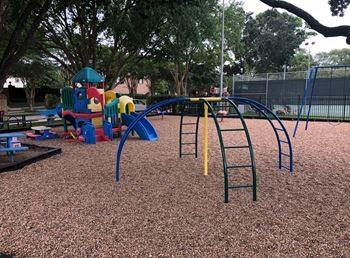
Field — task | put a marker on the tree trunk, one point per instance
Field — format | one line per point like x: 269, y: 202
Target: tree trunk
x: 150, y: 86
x: 30, y: 95
x: 177, y: 81
x: 2, y: 82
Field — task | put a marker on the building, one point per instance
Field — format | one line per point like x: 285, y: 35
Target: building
x: 142, y: 88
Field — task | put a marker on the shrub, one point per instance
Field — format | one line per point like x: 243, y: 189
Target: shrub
x: 51, y: 100
x: 158, y: 98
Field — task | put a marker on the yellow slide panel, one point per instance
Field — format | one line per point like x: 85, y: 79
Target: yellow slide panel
x: 125, y: 101
x: 109, y: 96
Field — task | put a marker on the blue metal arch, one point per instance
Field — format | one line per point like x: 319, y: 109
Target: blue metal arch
x: 133, y: 124
x: 256, y: 104
x: 260, y: 107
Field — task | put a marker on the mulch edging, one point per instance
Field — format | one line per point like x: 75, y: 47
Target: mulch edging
x: 48, y: 152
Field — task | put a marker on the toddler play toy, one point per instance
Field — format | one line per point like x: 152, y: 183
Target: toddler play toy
x: 285, y: 154
x: 96, y: 114
x: 42, y: 133
x: 11, y: 145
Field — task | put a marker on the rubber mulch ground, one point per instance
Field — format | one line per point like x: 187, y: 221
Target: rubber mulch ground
x: 70, y: 206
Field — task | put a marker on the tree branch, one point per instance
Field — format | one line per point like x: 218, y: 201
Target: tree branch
x: 326, y: 31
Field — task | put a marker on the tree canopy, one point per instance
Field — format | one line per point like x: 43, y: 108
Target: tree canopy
x: 337, y: 7
x: 271, y: 40
x: 19, y: 21
x: 174, y: 45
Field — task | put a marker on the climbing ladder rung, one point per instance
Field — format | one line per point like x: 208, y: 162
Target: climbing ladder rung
x: 284, y: 141
x: 285, y: 167
x: 232, y: 130
x: 236, y: 147
x: 284, y: 154
x: 279, y: 129
x: 239, y: 186
x: 240, y: 166
x: 187, y: 143
x: 188, y: 133
x: 188, y: 154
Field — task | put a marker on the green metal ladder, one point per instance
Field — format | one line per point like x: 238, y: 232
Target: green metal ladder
x: 229, y: 167
x: 188, y: 129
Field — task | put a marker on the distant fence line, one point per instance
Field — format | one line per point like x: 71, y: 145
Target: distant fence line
x: 283, y: 93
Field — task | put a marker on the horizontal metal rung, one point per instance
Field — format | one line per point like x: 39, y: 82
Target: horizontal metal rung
x: 236, y: 147
x: 240, y: 166
x: 285, y: 167
x: 232, y: 130
x: 188, y: 133
x: 187, y: 143
x: 239, y: 186
x: 284, y: 154
x: 279, y: 129
x: 284, y: 141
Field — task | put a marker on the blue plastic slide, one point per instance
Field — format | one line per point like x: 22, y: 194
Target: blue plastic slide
x: 143, y: 128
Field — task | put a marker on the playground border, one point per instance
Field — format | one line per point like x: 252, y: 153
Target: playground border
x: 50, y: 151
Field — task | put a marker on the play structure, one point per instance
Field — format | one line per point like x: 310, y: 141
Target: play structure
x: 49, y: 114
x: 209, y: 107
x: 333, y: 99
x: 96, y: 114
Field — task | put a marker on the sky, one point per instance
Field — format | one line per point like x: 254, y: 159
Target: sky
x: 320, y: 10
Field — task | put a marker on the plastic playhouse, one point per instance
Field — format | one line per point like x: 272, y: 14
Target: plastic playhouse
x: 98, y: 115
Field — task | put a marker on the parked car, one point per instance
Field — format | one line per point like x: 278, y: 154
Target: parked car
x: 140, y: 105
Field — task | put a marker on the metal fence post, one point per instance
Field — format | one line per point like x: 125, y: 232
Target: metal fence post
x: 233, y: 85
x: 266, y: 88
x: 344, y: 107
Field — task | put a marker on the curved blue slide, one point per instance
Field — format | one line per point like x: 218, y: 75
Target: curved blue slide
x: 143, y: 128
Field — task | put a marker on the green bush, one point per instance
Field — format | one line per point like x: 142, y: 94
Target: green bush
x: 134, y: 96
x: 51, y: 101
x: 139, y: 96
x: 158, y: 98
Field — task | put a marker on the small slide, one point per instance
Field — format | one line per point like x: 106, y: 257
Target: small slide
x: 143, y: 128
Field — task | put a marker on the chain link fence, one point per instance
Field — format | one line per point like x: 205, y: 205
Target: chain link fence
x: 283, y: 93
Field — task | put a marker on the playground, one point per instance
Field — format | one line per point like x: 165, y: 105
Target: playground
x: 70, y: 204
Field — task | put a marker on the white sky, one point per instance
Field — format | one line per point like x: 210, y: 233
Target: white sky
x: 320, y: 10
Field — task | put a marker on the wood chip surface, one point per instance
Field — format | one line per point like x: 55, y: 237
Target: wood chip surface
x: 70, y: 205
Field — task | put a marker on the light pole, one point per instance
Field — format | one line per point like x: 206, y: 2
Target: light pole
x: 222, y: 49
x: 308, y: 48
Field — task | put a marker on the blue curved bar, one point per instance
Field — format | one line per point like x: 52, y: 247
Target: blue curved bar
x: 133, y: 124
x: 262, y: 108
